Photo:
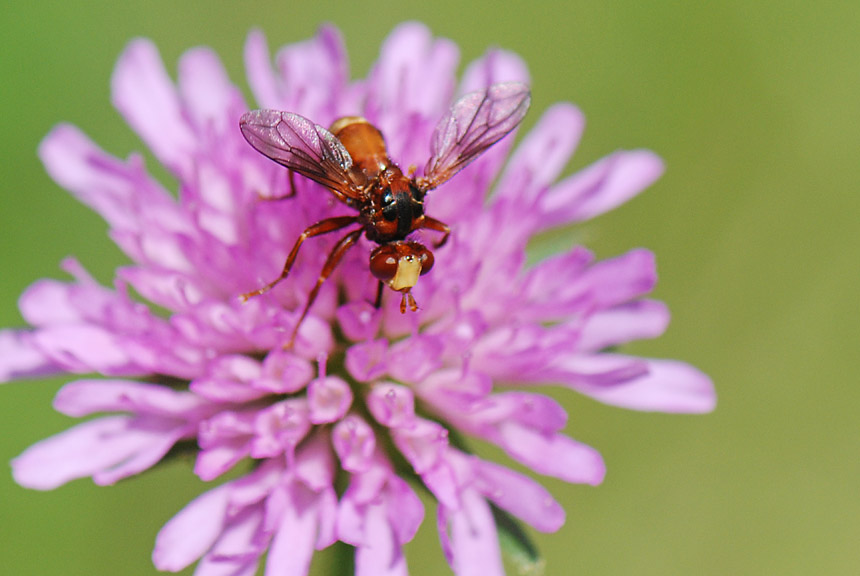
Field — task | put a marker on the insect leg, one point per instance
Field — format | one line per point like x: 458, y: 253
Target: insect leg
x: 433, y: 224
x: 292, y: 179
x: 290, y: 194
x: 379, y: 289
x: 321, y: 227
x: 331, y: 263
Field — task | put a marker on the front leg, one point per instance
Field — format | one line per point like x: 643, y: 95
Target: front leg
x: 433, y: 224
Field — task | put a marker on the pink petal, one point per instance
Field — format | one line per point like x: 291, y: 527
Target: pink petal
x: 553, y: 455
x: 154, y: 246
x: 410, y: 88
x: 669, y: 386
x: 284, y: 373
x: 454, y: 387
x: 415, y: 358
x: 327, y: 533
x: 20, y: 359
x: 598, y: 370
x: 354, y: 443
x: 217, y: 566
x: 632, y: 321
x: 367, y: 486
x: 90, y: 449
x: 218, y: 459
x: 379, y: 554
x: 350, y: 521
x: 358, y: 320
x: 225, y: 391
x: 226, y: 425
x: 533, y: 410
x: 367, y: 361
x: 315, y: 465
x: 189, y: 534
x: 462, y: 332
x: 617, y: 280
x: 280, y: 427
x: 522, y: 352
x: 47, y: 302
x: 328, y: 399
x: 600, y: 187
x: 238, y: 548
x: 241, y: 537
x: 392, y: 405
x: 520, y: 495
x: 558, y: 272
x: 442, y: 483
x: 543, y: 154
x: 293, y: 545
x: 475, y: 542
x: 443, y: 516
x: 224, y: 439
x: 314, y: 73
x: 150, y: 453
x: 558, y: 288
x: 115, y: 189
x: 414, y: 73
x: 144, y: 94
x: 170, y: 289
x: 494, y: 67
x: 85, y: 397
x: 405, y: 510
x: 258, y: 65
x: 145, y: 222
x: 469, y: 189
x: 228, y: 379
x: 255, y: 487
x: 207, y: 92
x: 86, y: 348
x: 422, y: 444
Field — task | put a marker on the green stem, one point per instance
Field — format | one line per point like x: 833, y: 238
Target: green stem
x: 342, y: 559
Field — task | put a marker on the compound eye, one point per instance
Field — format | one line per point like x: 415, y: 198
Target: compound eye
x: 424, y: 256
x: 389, y: 207
x: 383, y: 263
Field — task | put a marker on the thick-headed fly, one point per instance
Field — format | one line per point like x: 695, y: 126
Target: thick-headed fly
x: 351, y: 161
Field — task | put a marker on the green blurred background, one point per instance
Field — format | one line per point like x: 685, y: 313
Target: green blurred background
x: 755, y: 107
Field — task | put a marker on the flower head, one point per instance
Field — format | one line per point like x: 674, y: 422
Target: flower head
x: 367, y: 404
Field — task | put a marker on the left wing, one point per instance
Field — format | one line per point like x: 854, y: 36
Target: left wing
x: 300, y: 145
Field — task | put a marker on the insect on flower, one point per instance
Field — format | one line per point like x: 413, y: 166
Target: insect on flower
x: 351, y: 161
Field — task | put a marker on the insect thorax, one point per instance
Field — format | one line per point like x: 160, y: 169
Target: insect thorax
x: 394, y: 209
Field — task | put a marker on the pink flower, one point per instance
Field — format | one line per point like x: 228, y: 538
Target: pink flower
x: 373, y: 400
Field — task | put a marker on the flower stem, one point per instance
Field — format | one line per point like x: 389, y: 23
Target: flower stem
x: 342, y: 559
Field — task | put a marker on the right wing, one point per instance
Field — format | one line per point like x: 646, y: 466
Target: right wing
x: 474, y: 123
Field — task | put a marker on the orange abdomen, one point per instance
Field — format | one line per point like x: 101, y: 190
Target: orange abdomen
x: 364, y: 143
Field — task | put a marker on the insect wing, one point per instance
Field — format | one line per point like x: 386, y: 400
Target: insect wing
x: 474, y: 123
x: 300, y: 145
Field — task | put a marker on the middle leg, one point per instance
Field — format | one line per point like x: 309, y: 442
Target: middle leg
x: 433, y: 224
x: 321, y: 227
